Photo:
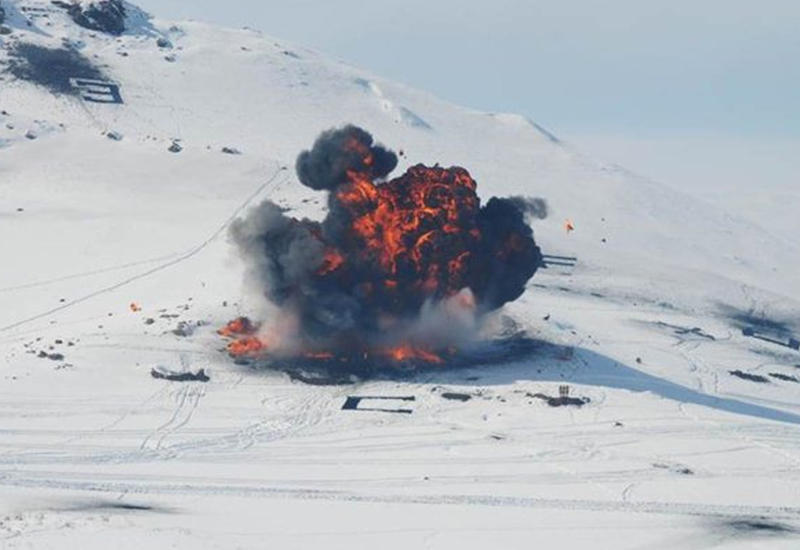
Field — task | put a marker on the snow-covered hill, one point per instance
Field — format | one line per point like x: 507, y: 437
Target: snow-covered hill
x: 114, y: 188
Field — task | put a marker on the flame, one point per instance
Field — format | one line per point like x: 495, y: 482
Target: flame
x: 241, y: 326
x: 410, y: 353
x: 331, y: 261
x: 416, y: 225
x: 247, y: 346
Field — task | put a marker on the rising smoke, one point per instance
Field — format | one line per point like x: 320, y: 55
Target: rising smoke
x: 414, y: 258
x: 534, y: 207
x: 339, y: 151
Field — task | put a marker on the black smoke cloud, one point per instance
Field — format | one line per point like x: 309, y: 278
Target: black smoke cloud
x: 535, y: 207
x: 338, y: 150
x: 325, y: 278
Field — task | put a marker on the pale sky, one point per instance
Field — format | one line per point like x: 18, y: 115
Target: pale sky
x: 686, y: 92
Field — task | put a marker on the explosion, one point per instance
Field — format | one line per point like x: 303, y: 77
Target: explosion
x: 400, y: 269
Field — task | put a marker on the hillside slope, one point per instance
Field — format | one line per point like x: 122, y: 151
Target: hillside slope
x: 114, y: 188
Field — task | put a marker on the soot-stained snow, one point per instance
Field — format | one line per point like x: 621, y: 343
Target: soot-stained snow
x: 51, y: 68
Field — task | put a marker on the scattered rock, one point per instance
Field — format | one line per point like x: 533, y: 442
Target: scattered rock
x: 166, y: 374
x: 231, y: 151
x: 115, y: 136
x: 164, y: 43
x: 149, y: 321
x: 175, y: 147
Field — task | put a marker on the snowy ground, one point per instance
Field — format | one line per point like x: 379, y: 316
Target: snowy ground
x: 672, y: 451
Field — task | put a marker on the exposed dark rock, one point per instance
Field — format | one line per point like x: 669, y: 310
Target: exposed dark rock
x: 163, y: 43
x: 751, y: 377
x: 562, y: 401
x: 456, y: 396
x: 231, y: 151
x: 106, y: 16
x: 784, y: 377
x: 164, y: 374
x: 175, y: 147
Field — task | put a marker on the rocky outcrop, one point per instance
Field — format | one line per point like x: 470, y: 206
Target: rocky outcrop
x: 106, y: 16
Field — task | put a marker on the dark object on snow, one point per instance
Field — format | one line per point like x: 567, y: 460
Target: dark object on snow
x: 175, y: 147
x: 164, y: 374
x: 352, y: 404
x: 751, y: 377
x: 683, y: 470
x: 184, y: 329
x: 758, y: 524
x: 163, y: 43
x: 784, y: 377
x: 548, y: 260
x: 106, y: 16
x: 51, y: 68
x: 456, y: 396
x: 561, y: 401
x: 51, y: 356
x: 792, y: 343
x: 115, y: 136
x: 686, y: 331
x: 231, y: 151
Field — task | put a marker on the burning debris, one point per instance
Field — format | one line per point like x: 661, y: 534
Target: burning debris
x: 401, y: 269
